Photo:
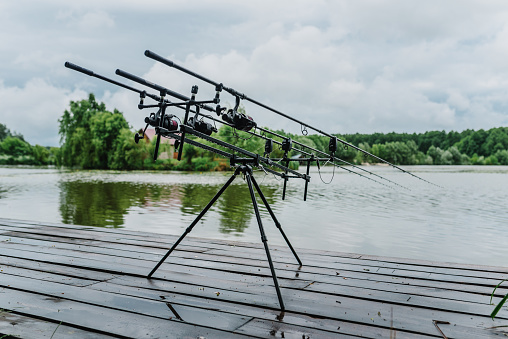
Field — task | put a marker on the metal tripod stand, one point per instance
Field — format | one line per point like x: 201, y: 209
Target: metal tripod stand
x: 246, y: 170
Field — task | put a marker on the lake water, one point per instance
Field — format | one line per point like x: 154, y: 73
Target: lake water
x: 464, y: 220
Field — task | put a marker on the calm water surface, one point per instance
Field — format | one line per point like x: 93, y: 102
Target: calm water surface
x: 465, y: 220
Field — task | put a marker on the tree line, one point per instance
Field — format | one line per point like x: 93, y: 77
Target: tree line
x: 481, y: 147
x: 14, y: 150
x: 91, y: 137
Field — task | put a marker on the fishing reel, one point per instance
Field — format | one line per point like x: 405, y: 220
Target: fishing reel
x: 201, y: 126
x: 154, y: 120
x: 240, y: 121
x: 168, y: 123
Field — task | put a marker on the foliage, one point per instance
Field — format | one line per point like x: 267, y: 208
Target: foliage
x: 403, y: 153
x: 16, y: 151
x: 40, y: 155
x: 5, y: 132
x: 15, y: 147
x: 93, y: 137
x: 470, y: 143
x: 126, y: 154
x: 88, y: 133
x: 430, y: 148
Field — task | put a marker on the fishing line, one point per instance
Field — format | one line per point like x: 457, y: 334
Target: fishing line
x: 333, y: 173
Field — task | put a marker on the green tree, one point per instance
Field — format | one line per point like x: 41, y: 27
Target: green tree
x: 496, y: 140
x: 125, y: 153
x: 105, y: 130
x: 436, y: 154
x: 502, y: 157
x: 399, y: 153
x: 456, y: 156
x: 55, y: 156
x: 4, y: 132
x: 40, y: 155
x: 473, y: 143
x: 15, y: 147
x: 88, y: 133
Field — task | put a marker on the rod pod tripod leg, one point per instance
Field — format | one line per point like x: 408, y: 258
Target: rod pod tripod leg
x: 189, y: 229
x: 277, y: 223
x: 247, y: 171
x: 248, y: 177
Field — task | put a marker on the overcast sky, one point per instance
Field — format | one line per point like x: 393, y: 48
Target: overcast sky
x: 341, y: 66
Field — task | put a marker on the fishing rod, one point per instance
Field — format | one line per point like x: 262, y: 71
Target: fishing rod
x: 202, y: 104
x: 188, y: 129
x: 208, y: 108
x: 95, y: 75
x: 242, y: 96
x: 162, y: 101
x: 240, y: 121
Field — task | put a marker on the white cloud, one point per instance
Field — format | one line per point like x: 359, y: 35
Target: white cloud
x: 86, y: 21
x: 34, y: 109
x: 126, y: 102
x: 457, y: 100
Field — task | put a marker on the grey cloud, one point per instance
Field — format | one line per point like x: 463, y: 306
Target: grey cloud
x: 344, y: 66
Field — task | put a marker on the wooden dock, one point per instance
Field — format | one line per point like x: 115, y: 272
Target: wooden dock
x: 65, y: 281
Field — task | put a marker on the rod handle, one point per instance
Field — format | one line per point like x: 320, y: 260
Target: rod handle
x: 140, y: 80
x: 79, y: 68
x: 159, y: 58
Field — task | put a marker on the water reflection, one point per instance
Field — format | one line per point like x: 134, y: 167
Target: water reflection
x: 464, y: 221
x: 3, y: 192
x: 236, y: 208
x: 196, y: 196
x: 106, y: 204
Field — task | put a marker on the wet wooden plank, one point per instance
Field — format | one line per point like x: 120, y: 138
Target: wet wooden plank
x: 264, y: 329
x: 226, y: 287
x: 348, y: 264
x: 363, y: 278
x: 232, y: 265
x: 31, y: 264
x: 295, y: 319
x: 374, y: 290
x: 18, y: 326
x: 450, y: 276
x: 97, y: 319
x: 409, y: 318
x: 401, y: 275
x: 57, y: 293
x: 164, y: 238
x: 62, y: 293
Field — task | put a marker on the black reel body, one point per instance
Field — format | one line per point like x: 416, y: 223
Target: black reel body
x: 167, y: 123
x: 202, y: 126
x: 240, y: 121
